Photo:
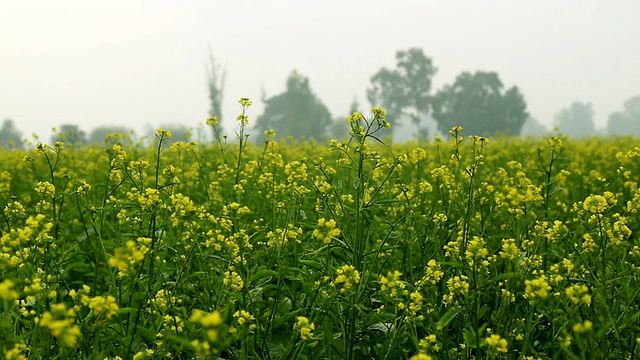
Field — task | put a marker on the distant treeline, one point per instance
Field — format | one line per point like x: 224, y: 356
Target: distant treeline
x: 478, y: 101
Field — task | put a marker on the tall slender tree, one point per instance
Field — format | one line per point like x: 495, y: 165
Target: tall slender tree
x: 404, y: 91
x: 216, y: 76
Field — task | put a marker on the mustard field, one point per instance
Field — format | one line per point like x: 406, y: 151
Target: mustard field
x: 454, y: 248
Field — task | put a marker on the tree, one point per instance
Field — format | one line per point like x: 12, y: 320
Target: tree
x: 576, y: 120
x: 476, y: 102
x: 70, y: 134
x: 111, y: 135
x: 10, y: 137
x: 216, y: 78
x: 297, y: 112
x: 626, y: 121
x: 405, y: 91
x: 532, y: 126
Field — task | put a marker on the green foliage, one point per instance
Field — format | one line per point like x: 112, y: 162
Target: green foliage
x: 533, y: 127
x: 628, y: 120
x: 10, y: 137
x: 405, y: 90
x: 576, y: 120
x: 477, y: 103
x: 463, y: 249
x: 297, y: 112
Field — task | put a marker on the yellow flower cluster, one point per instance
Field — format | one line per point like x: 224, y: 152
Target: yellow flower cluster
x: 392, y: 283
x: 61, y: 322
x: 125, y: 258
x: 211, y: 323
x: 578, y: 294
x: 326, y: 230
x: 347, y: 278
x: 305, y: 327
x: 102, y: 305
x: 537, y: 288
x: 497, y: 343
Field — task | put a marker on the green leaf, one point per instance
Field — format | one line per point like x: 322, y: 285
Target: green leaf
x: 263, y: 273
x: 314, y: 264
x: 126, y: 310
x: 446, y: 319
x: 286, y: 317
x: 470, y: 338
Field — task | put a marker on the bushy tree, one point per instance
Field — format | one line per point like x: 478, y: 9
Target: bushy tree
x: 626, y: 121
x: 532, y: 126
x: 297, y: 112
x: 110, y: 135
x: 477, y: 103
x: 404, y: 92
x: 10, y: 136
x: 576, y: 120
x: 70, y: 134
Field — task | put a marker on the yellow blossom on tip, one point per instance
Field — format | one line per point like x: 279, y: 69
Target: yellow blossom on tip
x: 326, y: 230
x: 246, y: 102
x: 305, y: 327
x: 497, y: 343
x: 595, y: 204
x: 212, y: 120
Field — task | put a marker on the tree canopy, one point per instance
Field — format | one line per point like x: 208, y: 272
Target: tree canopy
x: 626, y: 121
x: 576, y: 120
x: 477, y: 103
x: 70, y: 134
x: 533, y: 127
x: 405, y: 90
x: 10, y: 136
x: 111, y: 134
x: 296, y: 112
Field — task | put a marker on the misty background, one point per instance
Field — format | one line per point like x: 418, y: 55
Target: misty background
x: 144, y: 64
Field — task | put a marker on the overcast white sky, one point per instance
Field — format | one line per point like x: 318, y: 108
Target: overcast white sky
x: 127, y: 62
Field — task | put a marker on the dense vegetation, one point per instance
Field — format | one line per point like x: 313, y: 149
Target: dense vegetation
x: 459, y: 248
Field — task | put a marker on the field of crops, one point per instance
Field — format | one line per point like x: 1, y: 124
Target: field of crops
x: 458, y: 248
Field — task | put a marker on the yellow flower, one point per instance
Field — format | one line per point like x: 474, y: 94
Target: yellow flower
x: 578, y: 294
x: 497, y: 343
x: 104, y: 305
x: 537, y: 287
x: 305, y: 327
x: 212, y: 120
x: 7, y: 291
x: 61, y: 323
x: 348, y: 276
x: 595, y: 204
x: 326, y: 230
x: 582, y: 327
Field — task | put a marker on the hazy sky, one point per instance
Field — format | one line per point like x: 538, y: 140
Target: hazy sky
x: 144, y: 62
